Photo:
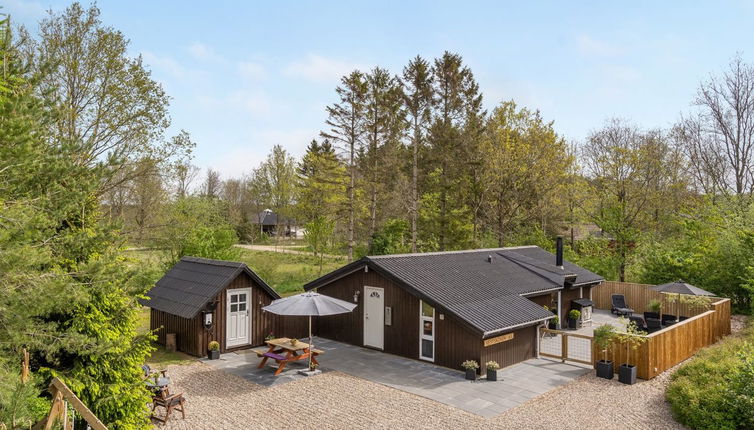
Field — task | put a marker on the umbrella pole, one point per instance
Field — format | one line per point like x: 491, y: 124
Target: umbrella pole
x: 311, y: 347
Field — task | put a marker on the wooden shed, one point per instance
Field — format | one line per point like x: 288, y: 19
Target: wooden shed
x: 201, y: 300
x: 448, y: 307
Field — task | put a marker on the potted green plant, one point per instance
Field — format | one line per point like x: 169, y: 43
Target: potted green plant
x: 471, y: 367
x: 293, y: 342
x: 269, y: 337
x: 603, y: 338
x: 631, y: 339
x: 554, y: 323
x: 573, y: 318
x: 492, y: 369
x: 213, y: 348
x: 654, y: 307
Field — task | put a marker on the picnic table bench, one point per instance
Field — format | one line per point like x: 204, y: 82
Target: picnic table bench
x: 283, y: 352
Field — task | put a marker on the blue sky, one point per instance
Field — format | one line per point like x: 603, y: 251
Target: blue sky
x: 244, y: 76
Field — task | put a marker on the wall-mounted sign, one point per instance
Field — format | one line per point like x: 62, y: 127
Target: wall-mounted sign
x: 498, y: 339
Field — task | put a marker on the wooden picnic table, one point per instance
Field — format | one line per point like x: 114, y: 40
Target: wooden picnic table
x: 283, y: 352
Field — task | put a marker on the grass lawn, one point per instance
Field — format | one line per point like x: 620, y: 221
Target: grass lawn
x: 287, y: 273
x: 161, y: 357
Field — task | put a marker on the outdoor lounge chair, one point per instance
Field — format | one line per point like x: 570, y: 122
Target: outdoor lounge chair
x: 619, y: 305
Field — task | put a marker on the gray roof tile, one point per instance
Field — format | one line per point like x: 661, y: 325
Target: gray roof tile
x: 189, y: 285
x: 484, y: 287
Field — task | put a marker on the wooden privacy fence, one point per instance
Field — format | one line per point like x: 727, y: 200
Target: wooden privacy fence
x: 638, y: 297
x: 669, y: 346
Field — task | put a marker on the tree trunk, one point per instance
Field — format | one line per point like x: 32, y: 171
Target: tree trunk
x: 501, y: 224
x: 415, y: 186
x: 351, y: 211
x: 443, y: 220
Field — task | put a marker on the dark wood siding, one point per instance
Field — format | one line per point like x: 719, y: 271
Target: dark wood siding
x: 566, y: 296
x: 454, y: 343
x: 549, y: 299
x: 185, y: 330
x: 521, y: 347
x: 192, y: 338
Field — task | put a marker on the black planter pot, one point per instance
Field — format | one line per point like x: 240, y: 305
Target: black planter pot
x: 471, y: 374
x: 552, y: 326
x: 573, y: 324
x: 655, y: 315
x: 605, y: 369
x: 491, y: 375
x: 627, y: 374
x: 213, y: 355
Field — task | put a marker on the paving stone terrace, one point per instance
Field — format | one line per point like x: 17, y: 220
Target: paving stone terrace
x: 518, y: 383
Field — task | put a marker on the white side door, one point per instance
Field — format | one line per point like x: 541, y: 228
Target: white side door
x: 374, y: 317
x: 426, y: 331
x: 237, y: 320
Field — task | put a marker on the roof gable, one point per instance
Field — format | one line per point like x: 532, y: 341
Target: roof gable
x: 193, y: 282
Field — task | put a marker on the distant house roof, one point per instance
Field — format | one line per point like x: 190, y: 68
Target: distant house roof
x: 193, y: 282
x: 270, y: 218
x: 485, y: 288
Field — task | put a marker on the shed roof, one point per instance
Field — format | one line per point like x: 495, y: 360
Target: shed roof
x: 193, y: 282
x: 485, y: 288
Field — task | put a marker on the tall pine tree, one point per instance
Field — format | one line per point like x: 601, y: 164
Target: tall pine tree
x: 346, y: 120
x: 418, y: 102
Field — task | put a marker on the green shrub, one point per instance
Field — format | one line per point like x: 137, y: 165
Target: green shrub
x: 714, y: 390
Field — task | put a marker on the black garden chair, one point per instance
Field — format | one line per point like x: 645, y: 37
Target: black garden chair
x: 619, y: 305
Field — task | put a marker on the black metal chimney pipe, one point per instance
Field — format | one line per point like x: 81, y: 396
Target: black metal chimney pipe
x: 559, y: 252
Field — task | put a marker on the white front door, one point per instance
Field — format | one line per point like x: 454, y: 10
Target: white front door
x: 237, y: 321
x: 374, y: 317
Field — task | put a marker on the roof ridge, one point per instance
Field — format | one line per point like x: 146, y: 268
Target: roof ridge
x: 213, y: 262
x: 462, y: 251
x: 524, y: 259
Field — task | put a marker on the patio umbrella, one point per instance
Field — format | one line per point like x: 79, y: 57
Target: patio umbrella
x: 309, y: 304
x: 679, y: 287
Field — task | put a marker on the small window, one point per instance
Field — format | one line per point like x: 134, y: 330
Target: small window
x: 427, y: 328
x: 427, y: 310
x: 234, y: 298
x: 242, y: 307
x: 234, y: 308
x: 242, y: 298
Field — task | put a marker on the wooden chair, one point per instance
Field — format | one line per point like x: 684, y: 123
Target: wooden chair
x: 169, y: 403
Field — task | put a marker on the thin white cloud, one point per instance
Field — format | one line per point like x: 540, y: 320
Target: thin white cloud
x: 622, y: 73
x: 165, y: 64
x: 592, y: 47
x: 251, y: 70
x: 254, y: 102
x: 255, y: 147
x: 205, y: 53
x: 316, y: 68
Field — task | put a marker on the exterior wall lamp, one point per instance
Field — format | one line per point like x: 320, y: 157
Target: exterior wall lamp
x: 208, y: 315
x: 207, y: 318
x: 356, y: 296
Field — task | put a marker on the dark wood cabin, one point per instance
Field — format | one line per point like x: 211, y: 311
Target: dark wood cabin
x: 448, y: 307
x: 230, y: 293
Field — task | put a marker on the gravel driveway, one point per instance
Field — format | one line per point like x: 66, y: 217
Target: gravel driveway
x: 333, y: 400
